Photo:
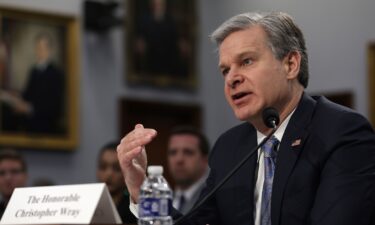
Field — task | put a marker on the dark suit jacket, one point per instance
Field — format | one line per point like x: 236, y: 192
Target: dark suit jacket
x: 127, y: 217
x: 328, y: 179
x: 45, y: 92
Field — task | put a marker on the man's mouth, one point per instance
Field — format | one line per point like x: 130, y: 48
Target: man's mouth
x: 239, y: 95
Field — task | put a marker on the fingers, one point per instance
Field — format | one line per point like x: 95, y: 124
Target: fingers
x: 138, y: 137
x: 138, y: 126
x: 132, y: 144
x: 127, y: 157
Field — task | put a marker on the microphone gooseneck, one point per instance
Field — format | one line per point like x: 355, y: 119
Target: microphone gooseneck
x: 271, y: 119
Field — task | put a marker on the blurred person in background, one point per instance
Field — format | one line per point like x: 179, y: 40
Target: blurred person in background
x: 13, y: 174
x: 109, y: 172
x: 188, y: 165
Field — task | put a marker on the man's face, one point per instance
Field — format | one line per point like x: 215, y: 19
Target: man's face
x: 109, y: 172
x: 43, y: 50
x: 12, y: 175
x: 185, y: 160
x: 254, y: 78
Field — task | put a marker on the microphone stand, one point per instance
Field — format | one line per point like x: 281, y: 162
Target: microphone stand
x: 229, y: 175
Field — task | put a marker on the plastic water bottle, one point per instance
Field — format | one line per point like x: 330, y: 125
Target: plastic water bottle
x: 155, y: 200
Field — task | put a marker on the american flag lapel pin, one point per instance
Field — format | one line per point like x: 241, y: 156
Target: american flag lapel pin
x: 296, y: 142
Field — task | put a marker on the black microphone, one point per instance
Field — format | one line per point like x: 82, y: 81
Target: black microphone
x: 270, y: 119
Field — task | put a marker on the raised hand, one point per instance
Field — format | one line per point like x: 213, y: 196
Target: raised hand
x: 132, y: 156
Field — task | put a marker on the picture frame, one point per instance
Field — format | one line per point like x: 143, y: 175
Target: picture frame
x: 161, y: 44
x: 39, y: 61
x: 344, y: 97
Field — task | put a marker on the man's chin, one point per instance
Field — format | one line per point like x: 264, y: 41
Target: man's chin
x: 110, y: 189
x: 244, y: 115
x: 241, y: 116
x: 183, y: 182
x: 115, y: 190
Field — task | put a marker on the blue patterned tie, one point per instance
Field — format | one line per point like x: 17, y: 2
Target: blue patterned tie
x: 270, y: 153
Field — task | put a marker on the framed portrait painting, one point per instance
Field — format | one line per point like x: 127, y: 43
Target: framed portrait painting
x: 38, y: 80
x: 161, y: 43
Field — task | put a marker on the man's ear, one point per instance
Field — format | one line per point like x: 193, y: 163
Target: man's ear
x: 292, y: 62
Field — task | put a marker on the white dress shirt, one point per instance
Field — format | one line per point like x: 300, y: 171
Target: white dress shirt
x: 260, y: 178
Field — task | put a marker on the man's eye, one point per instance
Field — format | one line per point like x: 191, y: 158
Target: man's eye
x: 247, y: 62
x: 172, y: 152
x: 103, y: 166
x: 225, y: 72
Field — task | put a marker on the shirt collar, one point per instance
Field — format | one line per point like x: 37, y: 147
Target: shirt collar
x: 42, y: 65
x: 188, y: 193
x: 279, y: 132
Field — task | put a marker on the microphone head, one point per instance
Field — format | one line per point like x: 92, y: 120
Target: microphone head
x: 270, y: 117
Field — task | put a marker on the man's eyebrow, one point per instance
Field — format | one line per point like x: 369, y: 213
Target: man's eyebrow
x: 222, y: 66
x: 238, y: 57
x: 246, y: 53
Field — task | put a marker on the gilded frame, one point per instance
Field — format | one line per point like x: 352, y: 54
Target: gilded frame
x: 17, y: 26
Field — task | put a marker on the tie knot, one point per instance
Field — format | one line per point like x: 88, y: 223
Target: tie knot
x: 270, y: 147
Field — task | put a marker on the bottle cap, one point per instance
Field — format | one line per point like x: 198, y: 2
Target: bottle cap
x: 155, y: 170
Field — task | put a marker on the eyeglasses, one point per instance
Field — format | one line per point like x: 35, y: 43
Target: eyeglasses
x: 12, y: 172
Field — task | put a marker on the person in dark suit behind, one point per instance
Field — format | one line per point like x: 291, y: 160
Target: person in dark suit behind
x: 319, y: 168
x: 188, y: 165
x: 109, y: 172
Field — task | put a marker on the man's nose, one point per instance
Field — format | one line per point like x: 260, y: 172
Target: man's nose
x: 234, y: 78
x: 109, y: 172
x: 179, y: 158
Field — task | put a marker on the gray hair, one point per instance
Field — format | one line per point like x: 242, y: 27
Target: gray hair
x: 284, y: 36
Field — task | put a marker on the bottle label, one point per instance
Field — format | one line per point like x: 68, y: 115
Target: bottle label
x: 154, y: 207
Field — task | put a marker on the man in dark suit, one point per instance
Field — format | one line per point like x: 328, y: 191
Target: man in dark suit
x: 108, y: 171
x: 319, y: 168
x: 187, y: 156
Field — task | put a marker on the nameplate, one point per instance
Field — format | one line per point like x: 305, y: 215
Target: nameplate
x: 65, y: 204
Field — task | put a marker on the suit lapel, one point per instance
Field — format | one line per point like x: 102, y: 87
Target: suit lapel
x: 190, y: 203
x: 289, y: 151
x: 245, y: 179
